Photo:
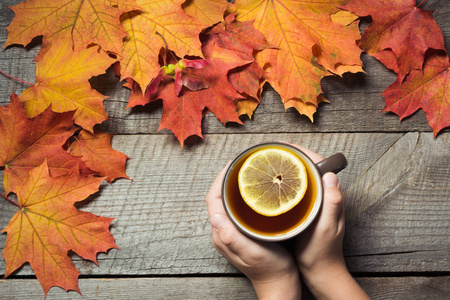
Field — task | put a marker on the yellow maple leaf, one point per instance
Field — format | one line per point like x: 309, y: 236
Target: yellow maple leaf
x: 81, y: 21
x: 142, y: 45
x: 207, y: 12
x: 62, y: 81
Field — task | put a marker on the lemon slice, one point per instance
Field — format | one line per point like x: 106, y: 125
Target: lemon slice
x: 272, y: 181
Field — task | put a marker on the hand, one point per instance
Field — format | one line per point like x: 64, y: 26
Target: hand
x: 319, y: 249
x: 321, y: 243
x: 270, y: 267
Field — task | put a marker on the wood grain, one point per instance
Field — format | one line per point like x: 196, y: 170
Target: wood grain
x: 236, y: 288
x: 397, y: 203
x: 396, y: 185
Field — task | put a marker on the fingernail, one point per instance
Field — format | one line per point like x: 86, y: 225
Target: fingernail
x: 217, y: 221
x: 330, y: 180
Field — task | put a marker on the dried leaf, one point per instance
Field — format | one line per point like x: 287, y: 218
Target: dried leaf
x: 142, y: 45
x: 96, y: 151
x: 27, y: 143
x: 401, y: 27
x: 80, y: 21
x: 62, y: 82
x: 243, y: 39
x: 310, y: 46
x: 183, y: 115
x: 47, y: 226
x: 175, y: 71
x: 208, y: 12
x: 428, y: 90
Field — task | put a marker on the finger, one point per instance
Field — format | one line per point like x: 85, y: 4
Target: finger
x: 314, y: 156
x: 231, y: 239
x: 341, y: 221
x: 227, y: 237
x: 333, y: 199
x: 214, y: 196
x: 233, y: 257
x: 220, y: 247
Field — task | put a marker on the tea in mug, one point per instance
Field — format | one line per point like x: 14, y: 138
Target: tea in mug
x: 271, y: 225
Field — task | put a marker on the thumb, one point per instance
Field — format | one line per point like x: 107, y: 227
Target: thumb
x: 333, y: 199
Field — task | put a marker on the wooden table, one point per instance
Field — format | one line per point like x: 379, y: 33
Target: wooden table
x: 397, y: 242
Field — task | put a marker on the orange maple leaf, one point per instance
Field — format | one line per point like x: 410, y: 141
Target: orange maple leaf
x: 96, y: 151
x: 429, y: 90
x: 401, y: 27
x: 27, y: 143
x: 310, y: 46
x: 48, y: 225
x: 82, y: 22
x: 142, y: 45
x: 62, y: 80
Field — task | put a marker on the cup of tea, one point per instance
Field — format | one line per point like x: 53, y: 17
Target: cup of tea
x: 290, y: 223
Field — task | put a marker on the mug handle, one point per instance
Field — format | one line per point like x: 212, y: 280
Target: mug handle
x: 335, y: 163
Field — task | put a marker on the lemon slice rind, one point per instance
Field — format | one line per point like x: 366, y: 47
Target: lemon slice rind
x: 272, y: 181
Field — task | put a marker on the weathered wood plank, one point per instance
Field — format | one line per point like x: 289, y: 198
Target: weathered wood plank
x: 397, y: 202
x: 355, y: 106
x: 397, y: 288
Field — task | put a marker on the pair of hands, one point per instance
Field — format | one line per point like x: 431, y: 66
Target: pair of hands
x: 272, y: 268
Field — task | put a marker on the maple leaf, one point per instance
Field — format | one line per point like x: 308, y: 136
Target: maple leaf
x: 243, y: 39
x: 310, y: 46
x: 48, y: 225
x: 140, y: 53
x: 183, y: 115
x: 96, y: 151
x: 406, y: 30
x: 247, y: 80
x: 428, y: 90
x: 80, y: 21
x: 388, y: 59
x: 344, y: 17
x: 136, y: 96
x: 62, y: 81
x: 208, y: 12
x: 175, y: 71
x: 26, y: 143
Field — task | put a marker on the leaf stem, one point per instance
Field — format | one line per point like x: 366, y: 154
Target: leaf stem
x: 166, y: 49
x: 9, y: 200
x: 20, y: 80
x: 420, y: 3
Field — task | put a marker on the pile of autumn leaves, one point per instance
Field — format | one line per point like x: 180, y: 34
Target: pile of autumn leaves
x: 197, y: 56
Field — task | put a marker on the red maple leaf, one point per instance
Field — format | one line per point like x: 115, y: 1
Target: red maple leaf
x: 175, y: 71
x: 183, y: 114
x: 239, y: 36
x: 429, y: 90
x: 243, y: 39
x: 401, y: 27
x: 136, y: 96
